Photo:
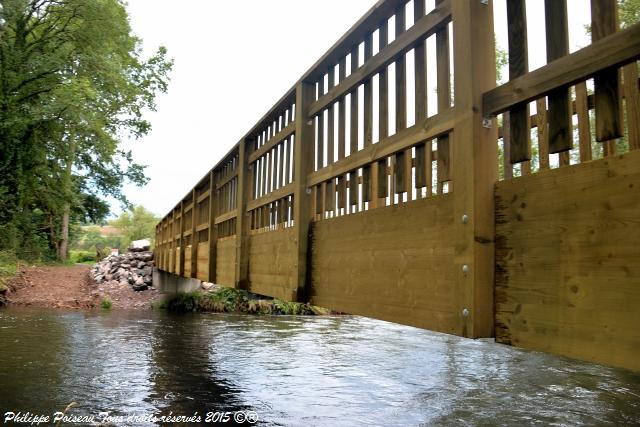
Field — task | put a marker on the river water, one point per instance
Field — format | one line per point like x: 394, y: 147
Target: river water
x: 300, y: 371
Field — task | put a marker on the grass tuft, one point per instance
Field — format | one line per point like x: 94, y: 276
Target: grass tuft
x: 106, y: 303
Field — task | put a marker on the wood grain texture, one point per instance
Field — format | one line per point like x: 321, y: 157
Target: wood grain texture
x: 202, y: 262
x: 566, y: 261
x: 394, y: 263
x: 226, y: 261
x: 272, y: 256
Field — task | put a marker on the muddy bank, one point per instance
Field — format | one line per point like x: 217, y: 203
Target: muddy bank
x: 72, y: 287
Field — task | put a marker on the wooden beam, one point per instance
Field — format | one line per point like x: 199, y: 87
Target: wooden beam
x: 421, y: 30
x: 613, y: 51
x: 194, y: 234
x: 213, y: 229
x: 475, y: 167
x: 303, y: 164
x: 243, y: 224
x: 280, y: 193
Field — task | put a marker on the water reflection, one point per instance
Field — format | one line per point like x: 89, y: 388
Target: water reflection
x: 296, y: 371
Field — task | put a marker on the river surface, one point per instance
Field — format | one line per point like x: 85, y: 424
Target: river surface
x: 299, y: 371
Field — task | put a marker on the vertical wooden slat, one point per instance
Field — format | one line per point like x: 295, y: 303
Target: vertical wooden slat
x: 320, y: 130
x: 274, y: 171
x: 632, y: 104
x: 421, y: 97
x: 353, y: 191
x: 182, y: 245
x: 383, y: 122
x: 368, y: 120
x: 330, y: 196
x: 518, y: 65
x: 420, y: 68
x: 584, y: 126
x: 506, y: 145
x: 342, y: 112
x: 331, y: 120
x: 443, y: 70
x: 543, y: 134
x: 400, y: 169
x: 342, y: 192
x: 604, y: 21
x: 560, y: 132
x: 354, y: 104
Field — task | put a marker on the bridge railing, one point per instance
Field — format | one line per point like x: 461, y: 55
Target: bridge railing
x: 383, y: 120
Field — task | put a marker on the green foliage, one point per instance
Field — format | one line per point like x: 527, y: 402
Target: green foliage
x: 82, y: 257
x: 8, y: 267
x: 106, y: 303
x: 72, y: 85
x: 229, y: 300
x: 137, y: 223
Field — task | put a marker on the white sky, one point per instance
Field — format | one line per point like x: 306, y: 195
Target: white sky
x: 235, y: 59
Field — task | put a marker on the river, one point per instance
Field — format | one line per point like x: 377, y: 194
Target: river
x: 300, y: 371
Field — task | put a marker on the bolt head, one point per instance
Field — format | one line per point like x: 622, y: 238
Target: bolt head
x: 465, y: 269
x: 465, y: 312
x: 465, y: 219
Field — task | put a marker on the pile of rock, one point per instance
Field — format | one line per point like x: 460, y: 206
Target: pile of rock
x: 133, y: 268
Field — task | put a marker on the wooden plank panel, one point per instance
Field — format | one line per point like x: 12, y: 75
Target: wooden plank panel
x: 342, y: 111
x: 202, y: 262
x: 368, y: 94
x: 226, y: 261
x: 518, y: 66
x: 556, y: 23
x: 272, y: 257
x: 604, y: 22
x: 566, y: 261
x: 393, y: 263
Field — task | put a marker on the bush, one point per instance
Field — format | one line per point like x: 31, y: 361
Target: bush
x: 82, y: 257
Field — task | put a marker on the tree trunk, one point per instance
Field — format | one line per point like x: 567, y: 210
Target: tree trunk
x: 66, y: 182
x: 64, y: 240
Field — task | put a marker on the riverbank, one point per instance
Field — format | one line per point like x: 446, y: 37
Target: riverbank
x: 71, y: 287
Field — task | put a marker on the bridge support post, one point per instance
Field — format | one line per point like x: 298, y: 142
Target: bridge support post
x: 475, y: 165
x: 194, y: 234
x: 213, y: 228
x: 242, y: 222
x: 303, y: 164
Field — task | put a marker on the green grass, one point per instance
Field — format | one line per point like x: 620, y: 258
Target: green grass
x: 82, y: 257
x: 229, y: 300
x: 106, y: 303
x: 8, y: 268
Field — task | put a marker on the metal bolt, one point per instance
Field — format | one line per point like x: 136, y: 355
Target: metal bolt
x: 465, y: 312
x: 308, y: 190
x: 465, y: 269
x: 487, y: 123
x: 485, y: 2
x: 465, y: 219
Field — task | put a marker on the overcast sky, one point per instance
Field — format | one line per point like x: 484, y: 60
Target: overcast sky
x: 235, y: 59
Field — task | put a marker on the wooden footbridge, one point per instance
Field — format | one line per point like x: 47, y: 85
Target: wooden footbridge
x: 456, y: 210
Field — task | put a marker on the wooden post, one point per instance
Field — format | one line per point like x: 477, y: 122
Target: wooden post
x: 475, y: 166
x: 181, y: 258
x: 243, y: 223
x: 303, y: 164
x: 213, y: 228
x: 194, y: 233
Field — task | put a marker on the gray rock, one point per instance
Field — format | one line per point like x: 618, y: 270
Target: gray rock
x: 147, y: 271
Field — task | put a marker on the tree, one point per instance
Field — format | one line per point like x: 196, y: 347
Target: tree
x: 137, y: 223
x: 72, y: 86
